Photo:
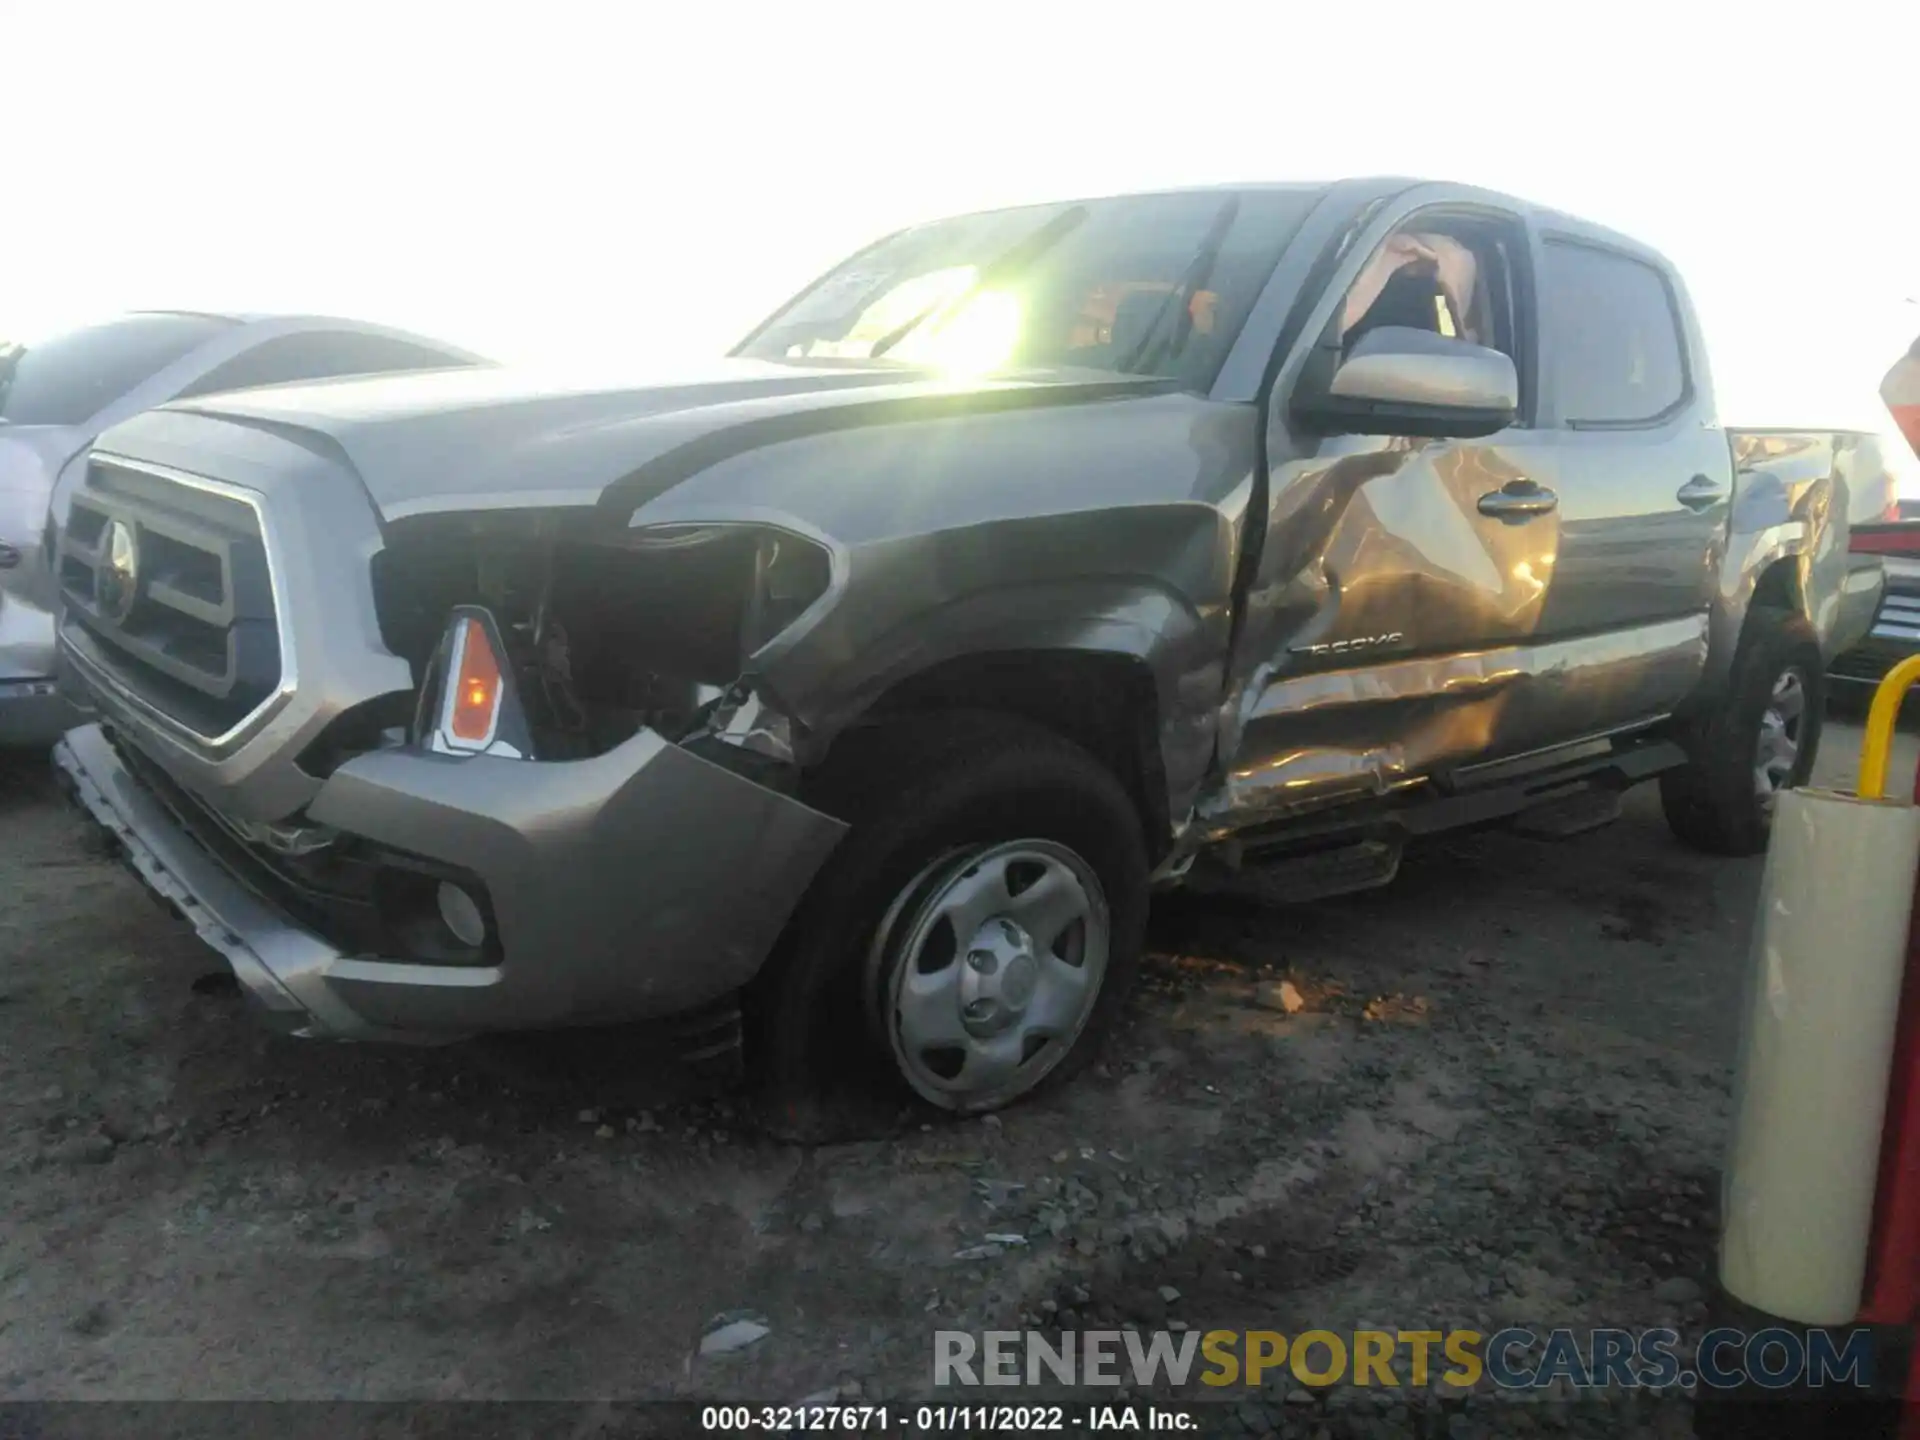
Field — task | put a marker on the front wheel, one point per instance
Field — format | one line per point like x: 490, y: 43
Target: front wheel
x: 1763, y: 739
x: 979, y: 926
x: 984, y: 972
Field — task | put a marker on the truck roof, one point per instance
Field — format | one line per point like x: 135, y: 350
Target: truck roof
x: 1365, y: 189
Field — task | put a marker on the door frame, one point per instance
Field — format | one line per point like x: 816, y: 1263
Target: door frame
x: 1286, y: 322
x: 1285, y: 328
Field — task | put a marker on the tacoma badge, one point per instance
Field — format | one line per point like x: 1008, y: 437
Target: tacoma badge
x: 1345, y: 647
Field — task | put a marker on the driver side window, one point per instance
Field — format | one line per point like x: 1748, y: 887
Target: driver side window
x: 1456, y: 276
x: 1452, y: 279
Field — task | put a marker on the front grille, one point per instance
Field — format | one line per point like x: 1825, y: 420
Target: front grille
x: 166, y: 587
x: 333, y: 899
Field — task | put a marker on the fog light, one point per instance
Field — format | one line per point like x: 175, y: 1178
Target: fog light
x: 460, y: 913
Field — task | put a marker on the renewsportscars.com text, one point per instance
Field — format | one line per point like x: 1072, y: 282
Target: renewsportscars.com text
x: 1508, y: 1359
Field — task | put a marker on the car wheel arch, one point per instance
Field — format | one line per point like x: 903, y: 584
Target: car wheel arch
x: 1105, y: 701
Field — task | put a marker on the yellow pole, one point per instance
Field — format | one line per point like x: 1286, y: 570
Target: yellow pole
x: 1877, y: 748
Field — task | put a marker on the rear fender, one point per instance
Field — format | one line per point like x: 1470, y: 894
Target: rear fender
x: 1787, y: 541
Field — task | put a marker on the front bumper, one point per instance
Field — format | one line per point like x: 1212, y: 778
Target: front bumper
x: 643, y: 882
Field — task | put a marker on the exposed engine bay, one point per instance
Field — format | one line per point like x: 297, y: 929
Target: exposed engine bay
x: 605, y: 634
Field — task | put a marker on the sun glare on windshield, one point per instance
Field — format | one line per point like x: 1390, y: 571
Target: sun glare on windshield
x: 979, y: 335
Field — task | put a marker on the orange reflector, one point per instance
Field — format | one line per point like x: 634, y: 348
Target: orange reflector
x: 476, y: 696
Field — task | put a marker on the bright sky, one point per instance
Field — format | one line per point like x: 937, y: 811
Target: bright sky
x: 612, y: 183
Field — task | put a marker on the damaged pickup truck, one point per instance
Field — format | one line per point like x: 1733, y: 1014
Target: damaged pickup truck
x: 855, y: 691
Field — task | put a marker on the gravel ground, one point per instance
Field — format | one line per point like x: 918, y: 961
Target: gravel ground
x: 1494, y: 1093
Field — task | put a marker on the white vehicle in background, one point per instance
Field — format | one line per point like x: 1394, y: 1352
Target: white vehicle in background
x: 56, y: 395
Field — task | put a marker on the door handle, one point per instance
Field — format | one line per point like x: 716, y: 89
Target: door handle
x: 1518, y: 500
x: 1700, y: 492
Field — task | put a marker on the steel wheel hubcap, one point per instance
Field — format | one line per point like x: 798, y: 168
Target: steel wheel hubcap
x: 1780, y: 729
x: 986, y: 969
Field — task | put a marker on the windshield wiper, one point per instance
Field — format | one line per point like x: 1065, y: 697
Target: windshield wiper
x: 1003, y: 267
x: 1197, y: 273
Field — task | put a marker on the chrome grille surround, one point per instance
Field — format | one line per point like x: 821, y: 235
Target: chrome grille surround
x: 202, y: 646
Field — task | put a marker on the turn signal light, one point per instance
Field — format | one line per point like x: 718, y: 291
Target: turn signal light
x: 475, y: 711
x: 469, y: 703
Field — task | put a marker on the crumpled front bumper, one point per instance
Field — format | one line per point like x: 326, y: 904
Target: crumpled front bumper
x: 642, y: 882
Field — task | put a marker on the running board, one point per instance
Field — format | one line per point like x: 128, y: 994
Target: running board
x: 1316, y: 875
x: 1629, y: 758
x: 1360, y: 849
x: 1575, y: 814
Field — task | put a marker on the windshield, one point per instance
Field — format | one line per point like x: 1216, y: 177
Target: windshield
x: 1146, y: 285
x: 67, y: 379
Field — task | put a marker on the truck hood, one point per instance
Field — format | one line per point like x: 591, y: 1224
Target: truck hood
x: 486, y: 439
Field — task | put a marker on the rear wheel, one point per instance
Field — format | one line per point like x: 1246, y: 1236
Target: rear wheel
x: 1762, y: 740
x: 976, y: 931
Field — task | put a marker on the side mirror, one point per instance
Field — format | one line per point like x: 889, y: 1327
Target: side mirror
x: 1401, y: 381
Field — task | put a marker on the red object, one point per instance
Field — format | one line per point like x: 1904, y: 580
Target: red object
x: 1900, y: 392
x: 1885, y: 540
x: 1893, y: 1255
x: 1907, y: 417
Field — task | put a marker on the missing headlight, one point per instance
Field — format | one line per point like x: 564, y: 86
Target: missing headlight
x: 602, y: 633
x: 789, y: 575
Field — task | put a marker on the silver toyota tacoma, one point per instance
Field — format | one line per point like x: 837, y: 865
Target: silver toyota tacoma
x: 851, y: 694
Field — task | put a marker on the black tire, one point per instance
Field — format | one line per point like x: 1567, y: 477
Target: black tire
x: 1712, y: 803
x: 912, y: 793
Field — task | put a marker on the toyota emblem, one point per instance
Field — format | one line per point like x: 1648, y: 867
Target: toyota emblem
x: 117, y: 582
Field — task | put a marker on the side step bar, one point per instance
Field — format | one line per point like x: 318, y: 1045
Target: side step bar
x: 1359, y: 851
x: 1315, y: 875
x: 1574, y: 814
x: 1463, y: 802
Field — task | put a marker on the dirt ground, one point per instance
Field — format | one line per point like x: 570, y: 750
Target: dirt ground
x: 1503, y: 1101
